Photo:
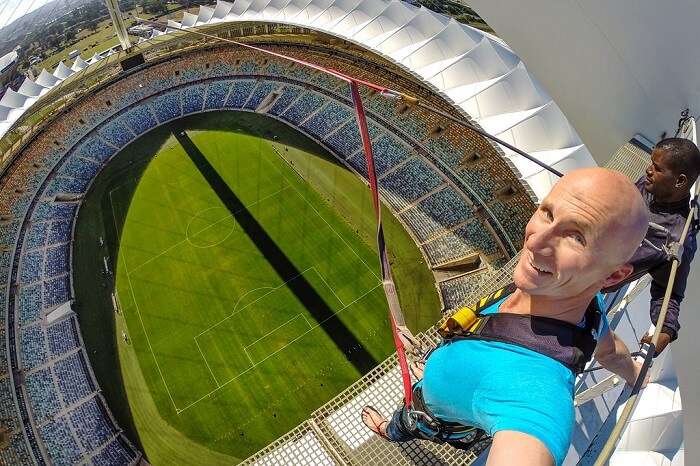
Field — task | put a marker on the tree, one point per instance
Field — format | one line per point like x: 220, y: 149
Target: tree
x: 92, y: 24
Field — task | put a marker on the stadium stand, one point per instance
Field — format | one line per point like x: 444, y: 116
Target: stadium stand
x: 429, y: 180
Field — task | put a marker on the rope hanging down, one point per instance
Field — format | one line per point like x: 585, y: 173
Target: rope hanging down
x: 398, y: 325
x: 403, y: 337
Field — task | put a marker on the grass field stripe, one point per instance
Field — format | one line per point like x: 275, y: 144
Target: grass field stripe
x: 284, y: 347
x: 200, y: 231
x: 205, y: 362
x: 138, y: 313
x: 252, y: 302
x: 272, y: 331
x: 328, y: 286
x: 321, y: 216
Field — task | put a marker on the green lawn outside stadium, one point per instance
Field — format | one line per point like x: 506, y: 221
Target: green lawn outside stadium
x: 247, y: 279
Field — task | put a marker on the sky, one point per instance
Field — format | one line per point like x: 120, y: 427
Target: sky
x: 10, y: 10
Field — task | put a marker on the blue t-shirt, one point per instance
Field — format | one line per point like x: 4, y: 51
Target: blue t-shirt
x: 500, y: 386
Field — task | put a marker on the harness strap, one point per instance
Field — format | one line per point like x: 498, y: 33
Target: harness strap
x: 569, y: 344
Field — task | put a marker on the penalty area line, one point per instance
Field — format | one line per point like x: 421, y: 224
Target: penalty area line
x: 207, y: 395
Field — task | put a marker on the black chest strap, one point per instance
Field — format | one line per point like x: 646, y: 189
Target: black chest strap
x: 569, y: 344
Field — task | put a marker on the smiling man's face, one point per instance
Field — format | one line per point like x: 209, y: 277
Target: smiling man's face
x: 580, y: 237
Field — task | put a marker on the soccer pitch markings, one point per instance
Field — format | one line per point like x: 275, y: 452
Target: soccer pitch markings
x: 303, y: 328
x: 269, y: 344
x: 201, y: 217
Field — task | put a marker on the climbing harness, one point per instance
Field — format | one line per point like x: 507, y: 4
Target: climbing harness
x: 457, y: 435
x: 571, y: 345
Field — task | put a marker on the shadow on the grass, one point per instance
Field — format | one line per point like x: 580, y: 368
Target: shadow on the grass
x: 354, y: 350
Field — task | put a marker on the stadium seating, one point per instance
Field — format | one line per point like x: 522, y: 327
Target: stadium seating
x: 42, y: 394
x: 414, y: 164
x: 56, y: 262
x: 78, y: 167
x: 455, y: 291
x: 61, y: 446
x: 3, y: 355
x: 29, y: 303
x: 16, y: 452
x: 329, y: 117
x: 53, y: 211
x: 167, y: 106
x: 346, y: 140
x: 193, y: 73
x: 59, y: 232
x: 140, y: 119
x: 409, y: 182
x: 91, y: 425
x: 33, y: 346
x: 56, y: 291
x: 388, y: 152
x: 7, y: 419
x: 4, y: 266
x: 239, y: 93
x: 115, y: 452
x: 302, y: 108
x: 193, y: 99
x: 216, y: 94
x: 437, y: 213
x: 36, y: 236
x: 95, y: 148
x: 62, y: 337
x: 469, y: 238
x: 285, y: 99
x: 32, y: 263
x: 116, y: 133
x: 261, y: 91
x: 64, y: 184
x: 72, y: 378
x: 248, y: 67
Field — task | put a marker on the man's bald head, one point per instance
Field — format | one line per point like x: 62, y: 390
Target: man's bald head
x: 623, y: 217
x: 581, y: 236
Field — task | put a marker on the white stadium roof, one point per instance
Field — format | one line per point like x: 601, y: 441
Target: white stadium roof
x: 474, y: 71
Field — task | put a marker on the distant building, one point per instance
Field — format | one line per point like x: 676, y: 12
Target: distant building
x: 8, y: 66
x: 141, y: 30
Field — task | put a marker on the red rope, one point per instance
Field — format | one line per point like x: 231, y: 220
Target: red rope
x: 395, y: 315
x: 387, y: 279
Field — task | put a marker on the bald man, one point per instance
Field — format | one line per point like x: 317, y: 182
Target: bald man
x: 519, y: 389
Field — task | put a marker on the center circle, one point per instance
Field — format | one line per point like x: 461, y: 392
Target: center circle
x: 210, y: 227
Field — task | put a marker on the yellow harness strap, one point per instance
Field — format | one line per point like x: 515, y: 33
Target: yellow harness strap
x: 466, y: 319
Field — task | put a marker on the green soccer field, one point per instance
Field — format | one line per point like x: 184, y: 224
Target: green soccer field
x: 247, y: 283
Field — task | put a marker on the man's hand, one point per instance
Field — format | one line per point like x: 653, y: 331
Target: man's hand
x: 664, y: 340
x: 638, y: 363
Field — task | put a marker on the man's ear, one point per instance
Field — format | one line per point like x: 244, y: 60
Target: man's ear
x: 682, y: 181
x: 618, y: 275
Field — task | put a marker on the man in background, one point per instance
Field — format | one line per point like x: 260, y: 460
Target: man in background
x: 675, y: 165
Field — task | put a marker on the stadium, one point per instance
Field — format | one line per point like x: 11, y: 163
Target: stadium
x: 188, y: 265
